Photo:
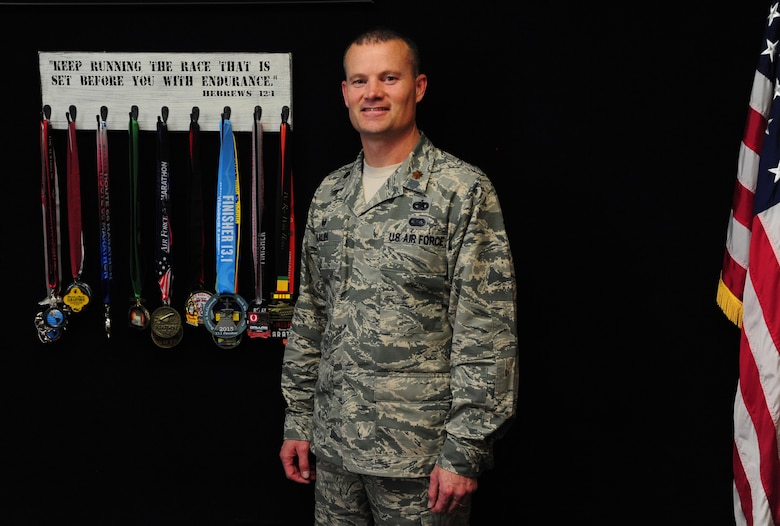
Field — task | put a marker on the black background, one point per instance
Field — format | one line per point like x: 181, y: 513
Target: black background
x: 612, y: 136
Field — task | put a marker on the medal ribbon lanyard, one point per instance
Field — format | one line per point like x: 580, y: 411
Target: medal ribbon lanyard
x: 136, y: 267
x: 104, y: 214
x: 258, y: 316
x: 79, y: 293
x: 136, y: 270
x: 197, y: 234
x: 76, y: 236
x: 198, y: 296
x: 163, y: 254
x: 166, y: 321
x: 258, y: 203
x: 225, y: 312
x: 228, y: 211
x: 50, y: 207
x: 285, y: 255
x: 51, y: 321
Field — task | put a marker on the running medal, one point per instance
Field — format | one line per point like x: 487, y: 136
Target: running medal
x: 46, y: 334
x: 225, y: 315
x: 77, y: 296
x: 258, y: 321
x: 194, y: 308
x: 166, y: 327
x: 55, y: 315
x: 138, y: 315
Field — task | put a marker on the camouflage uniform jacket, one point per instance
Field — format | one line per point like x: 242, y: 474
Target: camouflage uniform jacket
x: 403, y: 346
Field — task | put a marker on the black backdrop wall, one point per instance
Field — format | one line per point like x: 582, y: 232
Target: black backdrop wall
x: 120, y: 431
x: 612, y: 136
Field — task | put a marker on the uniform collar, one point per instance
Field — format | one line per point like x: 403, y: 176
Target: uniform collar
x: 413, y: 174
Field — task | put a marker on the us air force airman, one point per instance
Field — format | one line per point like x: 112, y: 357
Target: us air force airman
x: 400, y: 371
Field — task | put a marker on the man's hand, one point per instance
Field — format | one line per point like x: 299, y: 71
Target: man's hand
x: 295, y: 461
x: 448, y: 491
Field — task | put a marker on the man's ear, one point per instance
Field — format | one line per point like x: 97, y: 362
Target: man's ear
x: 422, y: 85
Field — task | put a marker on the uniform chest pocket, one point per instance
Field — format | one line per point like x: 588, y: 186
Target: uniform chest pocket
x: 414, y: 290
x: 329, y: 254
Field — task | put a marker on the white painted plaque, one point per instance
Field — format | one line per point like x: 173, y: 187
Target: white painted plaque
x: 180, y: 81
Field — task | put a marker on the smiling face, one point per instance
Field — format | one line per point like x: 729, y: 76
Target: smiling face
x: 381, y: 90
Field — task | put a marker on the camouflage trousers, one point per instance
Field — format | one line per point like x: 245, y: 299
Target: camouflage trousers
x: 342, y: 498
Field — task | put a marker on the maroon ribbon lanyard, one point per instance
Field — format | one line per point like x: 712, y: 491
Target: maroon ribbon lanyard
x: 78, y: 294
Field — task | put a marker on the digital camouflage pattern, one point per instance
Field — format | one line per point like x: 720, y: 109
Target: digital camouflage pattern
x: 345, y: 499
x: 403, y: 346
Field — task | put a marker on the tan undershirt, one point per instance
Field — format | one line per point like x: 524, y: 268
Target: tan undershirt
x: 374, y: 178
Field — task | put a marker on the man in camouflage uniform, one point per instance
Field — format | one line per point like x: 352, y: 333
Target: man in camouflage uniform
x: 400, y: 370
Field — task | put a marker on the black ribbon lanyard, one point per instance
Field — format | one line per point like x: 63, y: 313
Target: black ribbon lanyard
x: 282, y: 305
x: 138, y: 315
x: 166, y: 321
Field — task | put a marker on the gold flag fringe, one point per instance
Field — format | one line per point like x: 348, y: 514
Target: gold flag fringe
x: 729, y: 303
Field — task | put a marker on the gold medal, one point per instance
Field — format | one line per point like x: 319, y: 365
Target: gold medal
x: 166, y: 322
x: 167, y: 343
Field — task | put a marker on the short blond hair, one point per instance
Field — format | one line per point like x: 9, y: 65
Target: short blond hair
x: 375, y: 36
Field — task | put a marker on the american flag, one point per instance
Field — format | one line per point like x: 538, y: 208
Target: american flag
x: 749, y: 294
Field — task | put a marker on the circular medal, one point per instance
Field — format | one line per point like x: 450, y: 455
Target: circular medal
x: 227, y: 343
x: 166, y: 322
x: 195, y: 307
x: 49, y: 335
x: 167, y: 342
x: 54, y: 317
x: 77, y: 296
x: 224, y: 315
x: 138, y: 316
x: 46, y: 334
